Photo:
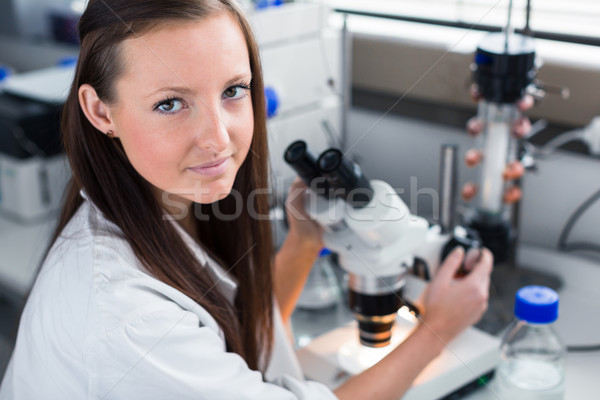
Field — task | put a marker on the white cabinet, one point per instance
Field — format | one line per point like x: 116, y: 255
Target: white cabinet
x: 302, y: 63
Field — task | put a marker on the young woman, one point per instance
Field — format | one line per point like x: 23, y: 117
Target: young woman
x: 161, y: 281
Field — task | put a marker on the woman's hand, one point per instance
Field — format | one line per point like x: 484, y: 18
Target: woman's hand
x: 298, y: 253
x: 305, y: 232
x: 515, y: 169
x: 453, y: 303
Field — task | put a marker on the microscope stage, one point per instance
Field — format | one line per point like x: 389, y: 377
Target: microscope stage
x: 337, y: 355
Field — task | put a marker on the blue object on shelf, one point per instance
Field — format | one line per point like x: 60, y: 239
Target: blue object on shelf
x: 262, y: 4
x: 272, y: 101
x: 5, y: 72
x: 324, y: 252
x: 67, y: 61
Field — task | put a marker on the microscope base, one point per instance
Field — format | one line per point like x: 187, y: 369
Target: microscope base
x: 335, y: 356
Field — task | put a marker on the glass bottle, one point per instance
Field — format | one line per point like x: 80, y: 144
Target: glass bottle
x: 533, y: 358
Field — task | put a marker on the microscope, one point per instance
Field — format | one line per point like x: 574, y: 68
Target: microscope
x: 378, y: 241
x: 383, y: 247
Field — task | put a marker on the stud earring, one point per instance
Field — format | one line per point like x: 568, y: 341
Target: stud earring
x: 110, y: 134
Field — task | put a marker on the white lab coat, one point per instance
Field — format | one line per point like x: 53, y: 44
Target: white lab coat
x: 97, y: 326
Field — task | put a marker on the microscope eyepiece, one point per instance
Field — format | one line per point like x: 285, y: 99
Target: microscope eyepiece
x: 346, y: 177
x: 295, y: 152
x: 302, y: 161
x: 330, y: 160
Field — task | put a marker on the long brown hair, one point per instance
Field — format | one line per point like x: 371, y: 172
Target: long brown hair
x: 101, y: 168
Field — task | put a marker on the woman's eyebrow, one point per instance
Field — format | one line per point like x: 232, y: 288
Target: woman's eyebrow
x: 237, y: 78
x: 187, y: 90
x: 177, y: 89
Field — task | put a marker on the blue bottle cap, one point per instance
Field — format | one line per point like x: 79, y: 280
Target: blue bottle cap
x: 536, y: 304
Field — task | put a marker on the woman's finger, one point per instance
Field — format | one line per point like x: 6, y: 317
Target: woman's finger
x: 483, y: 268
x: 471, y: 258
x: 295, y: 200
x: 451, y: 264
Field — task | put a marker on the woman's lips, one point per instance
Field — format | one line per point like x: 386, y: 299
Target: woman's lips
x: 212, y: 168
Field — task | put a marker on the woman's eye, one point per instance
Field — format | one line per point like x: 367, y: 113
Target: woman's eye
x: 170, y: 106
x: 235, y: 92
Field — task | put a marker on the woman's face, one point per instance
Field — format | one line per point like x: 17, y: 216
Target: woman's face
x: 183, y: 110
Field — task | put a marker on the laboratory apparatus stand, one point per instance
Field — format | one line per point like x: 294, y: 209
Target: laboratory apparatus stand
x: 504, y: 68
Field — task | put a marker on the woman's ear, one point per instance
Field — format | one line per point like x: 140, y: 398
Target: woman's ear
x: 95, y: 110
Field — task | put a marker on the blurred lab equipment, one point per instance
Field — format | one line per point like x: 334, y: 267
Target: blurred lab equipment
x: 5, y: 72
x: 33, y: 169
x: 504, y: 67
x: 63, y: 19
x: 533, y: 357
x: 322, y: 288
x: 382, y: 246
x: 589, y: 135
x: 304, y: 99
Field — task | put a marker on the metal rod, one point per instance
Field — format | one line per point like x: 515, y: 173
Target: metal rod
x: 587, y: 40
x: 508, y: 25
x: 448, y: 180
x: 527, y: 30
x: 346, y: 81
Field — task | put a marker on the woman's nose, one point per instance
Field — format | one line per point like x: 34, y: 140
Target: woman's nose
x: 214, y: 134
